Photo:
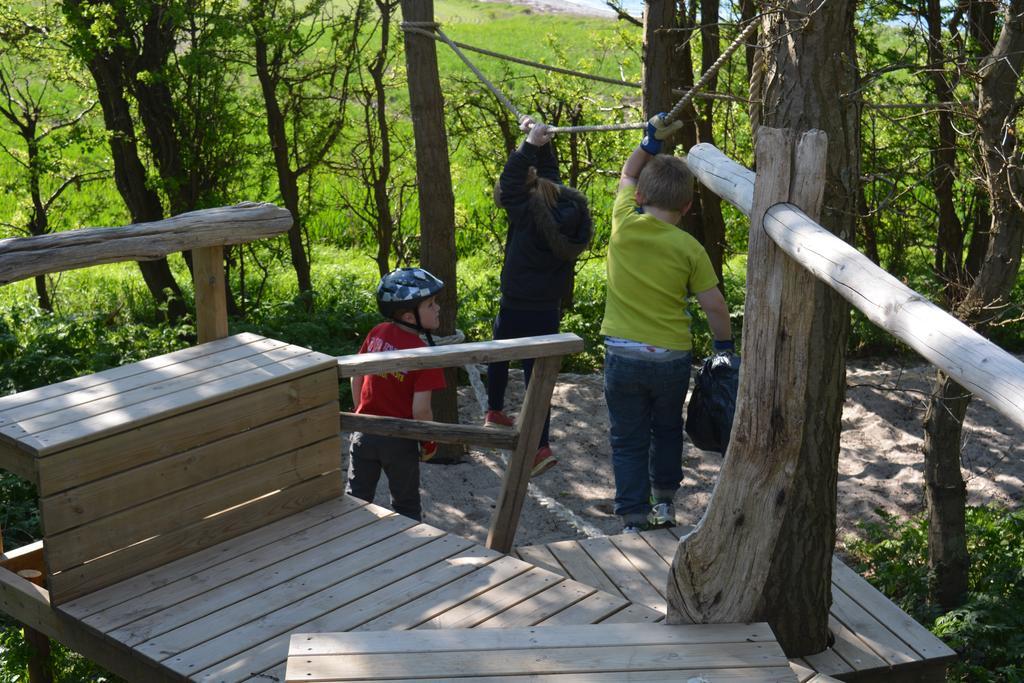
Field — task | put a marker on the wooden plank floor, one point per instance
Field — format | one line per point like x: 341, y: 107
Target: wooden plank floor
x: 558, y: 654
x: 875, y: 640
x: 225, y: 613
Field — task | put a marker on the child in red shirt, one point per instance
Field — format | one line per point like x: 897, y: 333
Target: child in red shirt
x: 408, y: 298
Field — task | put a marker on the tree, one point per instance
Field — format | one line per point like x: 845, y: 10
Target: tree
x: 303, y: 59
x: 97, y: 36
x: 437, y: 201
x: 31, y: 81
x: 378, y: 193
x: 668, y: 70
x: 983, y: 295
x: 786, y: 434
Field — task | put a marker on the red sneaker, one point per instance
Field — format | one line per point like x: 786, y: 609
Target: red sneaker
x: 497, y: 418
x: 543, y: 461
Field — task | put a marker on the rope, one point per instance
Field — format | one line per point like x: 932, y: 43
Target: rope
x: 473, y: 370
x: 712, y: 70
x: 410, y: 27
x: 483, y: 79
x: 414, y: 27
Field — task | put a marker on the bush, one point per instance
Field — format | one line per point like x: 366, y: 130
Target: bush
x: 988, y: 629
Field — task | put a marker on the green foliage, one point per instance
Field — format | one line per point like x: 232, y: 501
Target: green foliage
x: 988, y: 630
x: 67, y: 666
x: 585, y: 318
x: 37, y: 348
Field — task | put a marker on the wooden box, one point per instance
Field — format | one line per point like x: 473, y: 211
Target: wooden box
x: 143, y: 464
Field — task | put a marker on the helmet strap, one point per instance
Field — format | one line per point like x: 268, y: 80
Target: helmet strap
x: 419, y: 324
x: 416, y: 327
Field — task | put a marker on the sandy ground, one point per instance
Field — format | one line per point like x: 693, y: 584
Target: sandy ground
x: 880, y: 463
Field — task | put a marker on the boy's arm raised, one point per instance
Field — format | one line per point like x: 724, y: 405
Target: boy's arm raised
x: 631, y: 169
x: 656, y: 131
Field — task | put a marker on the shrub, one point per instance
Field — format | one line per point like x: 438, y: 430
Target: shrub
x: 988, y: 629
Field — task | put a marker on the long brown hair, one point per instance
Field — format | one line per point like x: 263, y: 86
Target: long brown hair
x: 535, y: 184
x: 542, y: 186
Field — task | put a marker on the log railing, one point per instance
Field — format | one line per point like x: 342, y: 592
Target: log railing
x: 986, y: 370
x: 205, y: 232
x: 522, y: 439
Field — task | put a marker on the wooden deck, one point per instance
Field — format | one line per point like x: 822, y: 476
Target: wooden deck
x: 593, y: 653
x: 225, y: 613
x: 874, y: 639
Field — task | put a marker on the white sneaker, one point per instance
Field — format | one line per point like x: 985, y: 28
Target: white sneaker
x: 631, y: 529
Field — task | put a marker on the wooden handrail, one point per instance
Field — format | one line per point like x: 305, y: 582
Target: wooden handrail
x: 523, y: 439
x: 205, y: 232
x: 460, y: 354
x: 982, y: 367
x: 421, y: 430
x: 25, y: 257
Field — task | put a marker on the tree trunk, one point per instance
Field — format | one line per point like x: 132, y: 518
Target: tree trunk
x: 39, y: 222
x: 437, y: 202
x: 945, y: 492
x: 380, y: 174
x: 819, y: 59
x: 949, y: 246
x: 659, y: 57
x: 129, y: 173
x: 712, y: 222
x: 989, y: 292
x: 287, y: 178
x: 764, y: 547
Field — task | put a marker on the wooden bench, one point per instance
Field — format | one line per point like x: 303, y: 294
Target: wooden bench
x: 193, y: 515
x: 874, y: 639
x: 600, y: 653
x: 142, y: 464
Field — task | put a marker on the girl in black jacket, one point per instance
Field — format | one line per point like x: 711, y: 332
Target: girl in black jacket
x: 549, y: 226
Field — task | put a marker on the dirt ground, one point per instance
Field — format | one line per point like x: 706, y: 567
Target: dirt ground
x: 880, y: 463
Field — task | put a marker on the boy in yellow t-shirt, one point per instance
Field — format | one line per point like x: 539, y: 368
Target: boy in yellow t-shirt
x: 653, y: 267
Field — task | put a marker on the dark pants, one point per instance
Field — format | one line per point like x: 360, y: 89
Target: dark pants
x: 509, y: 325
x: 399, y: 459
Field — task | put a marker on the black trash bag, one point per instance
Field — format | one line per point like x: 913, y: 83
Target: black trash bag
x: 713, y: 402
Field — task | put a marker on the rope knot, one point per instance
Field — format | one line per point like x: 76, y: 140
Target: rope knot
x: 407, y: 25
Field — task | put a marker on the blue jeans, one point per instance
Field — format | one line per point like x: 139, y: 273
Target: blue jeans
x: 645, y: 395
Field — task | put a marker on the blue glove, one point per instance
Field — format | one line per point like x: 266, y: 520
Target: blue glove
x: 723, y: 346
x: 656, y: 131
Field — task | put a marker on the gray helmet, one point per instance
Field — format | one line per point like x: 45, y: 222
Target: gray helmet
x: 404, y: 288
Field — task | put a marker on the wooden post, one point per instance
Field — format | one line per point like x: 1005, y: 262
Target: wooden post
x: 530, y: 424
x: 39, y: 669
x: 211, y: 297
x: 721, y: 571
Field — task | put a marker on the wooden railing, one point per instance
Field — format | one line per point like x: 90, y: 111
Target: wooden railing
x: 205, y: 232
x: 977, y: 364
x: 522, y: 439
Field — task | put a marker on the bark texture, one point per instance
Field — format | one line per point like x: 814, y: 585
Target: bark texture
x: 986, y: 293
x: 810, y: 84
x: 437, y: 201
x: 770, y: 527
